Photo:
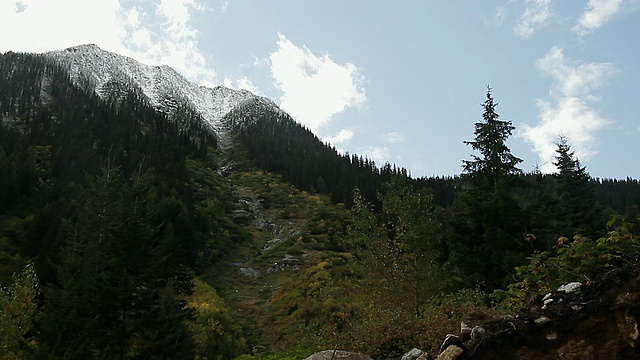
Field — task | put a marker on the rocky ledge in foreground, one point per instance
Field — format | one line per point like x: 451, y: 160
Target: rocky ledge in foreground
x: 577, y: 321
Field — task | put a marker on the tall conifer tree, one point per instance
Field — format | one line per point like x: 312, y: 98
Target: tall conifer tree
x: 578, y: 210
x: 487, y: 234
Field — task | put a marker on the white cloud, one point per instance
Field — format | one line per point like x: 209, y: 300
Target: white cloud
x: 161, y: 33
x: 395, y: 137
x: 42, y: 25
x: 167, y: 37
x: 314, y: 88
x: 536, y: 14
x: 498, y: 18
x: 596, y: 14
x: 241, y: 83
x: 379, y: 154
x: 20, y: 6
x: 343, y: 136
x: 568, y: 113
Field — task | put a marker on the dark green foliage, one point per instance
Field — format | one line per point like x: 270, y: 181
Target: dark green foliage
x: 114, y: 249
x: 578, y: 212
x: 117, y: 283
x: 589, y: 261
x: 279, y: 144
x: 493, y: 168
x: 488, y: 221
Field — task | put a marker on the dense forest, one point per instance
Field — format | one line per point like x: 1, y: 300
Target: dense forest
x: 118, y: 224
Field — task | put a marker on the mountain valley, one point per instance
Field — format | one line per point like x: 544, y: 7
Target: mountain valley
x: 144, y: 216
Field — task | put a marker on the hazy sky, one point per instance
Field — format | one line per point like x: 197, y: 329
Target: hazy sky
x: 396, y: 81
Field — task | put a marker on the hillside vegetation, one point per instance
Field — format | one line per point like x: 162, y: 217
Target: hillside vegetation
x: 128, y: 233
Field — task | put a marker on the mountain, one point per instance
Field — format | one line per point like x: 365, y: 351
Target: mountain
x: 110, y: 74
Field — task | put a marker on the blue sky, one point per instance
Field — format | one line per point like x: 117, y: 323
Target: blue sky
x: 399, y: 82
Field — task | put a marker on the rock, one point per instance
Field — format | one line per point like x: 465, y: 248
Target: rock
x: 290, y: 259
x: 250, y: 273
x: 412, y: 354
x: 552, y: 336
x: 465, y: 331
x: 337, y: 355
x: 425, y: 356
x: 478, y: 333
x: 453, y: 352
x: 542, y: 320
x: 274, y: 228
x: 570, y: 287
x: 275, y: 268
x: 450, y: 340
x: 270, y: 245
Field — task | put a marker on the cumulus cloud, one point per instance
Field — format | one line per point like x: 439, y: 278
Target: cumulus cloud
x: 568, y: 113
x: 596, y: 14
x: 343, y: 136
x: 166, y: 36
x: 241, y: 83
x: 42, y: 25
x: 395, y: 137
x: 160, y: 32
x: 379, y: 154
x: 536, y: 14
x: 314, y: 88
x: 498, y: 18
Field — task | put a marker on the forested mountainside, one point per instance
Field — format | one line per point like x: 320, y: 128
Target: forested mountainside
x: 127, y: 232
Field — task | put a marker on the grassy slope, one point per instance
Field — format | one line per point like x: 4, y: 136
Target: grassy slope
x: 258, y: 208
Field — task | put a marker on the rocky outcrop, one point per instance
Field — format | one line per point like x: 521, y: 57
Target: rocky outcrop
x: 337, y: 355
x: 577, y: 321
x: 249, y: 272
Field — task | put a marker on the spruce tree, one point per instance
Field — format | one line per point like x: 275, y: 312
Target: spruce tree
x: 578, y: 210
x: 486, y: 231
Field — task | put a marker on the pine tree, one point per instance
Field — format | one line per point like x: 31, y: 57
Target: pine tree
x: 487, y: 234
x: 116, y: 295
x: 578, y: 210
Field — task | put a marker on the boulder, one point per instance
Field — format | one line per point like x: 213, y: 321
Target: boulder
x: 412, y: 354
x: 450, y: 340
x: 250, y: 273
x: 570, y: 287
x: 337, y: 355
x: 453, y: 352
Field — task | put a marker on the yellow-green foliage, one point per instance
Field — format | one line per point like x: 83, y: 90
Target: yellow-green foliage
x: 390, y: 332
x: 581, y: 259
x: 319, y: 303
x: 17, y: 314
x: 214, y: 331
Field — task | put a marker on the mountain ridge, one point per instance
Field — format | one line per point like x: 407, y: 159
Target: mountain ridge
x: 162, y: 85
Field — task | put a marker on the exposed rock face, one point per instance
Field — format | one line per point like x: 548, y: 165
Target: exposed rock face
x: 250, y: 273
x: 586, y: 322
x: 337, y: 355
x: 412, y: 354
x: 452, y: 352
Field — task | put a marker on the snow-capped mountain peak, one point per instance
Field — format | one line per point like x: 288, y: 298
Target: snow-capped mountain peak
x: 162, y: 85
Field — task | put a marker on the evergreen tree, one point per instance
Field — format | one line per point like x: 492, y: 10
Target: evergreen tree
x: 487, y: 234
x: 578, y: 210
x: 116, y: 293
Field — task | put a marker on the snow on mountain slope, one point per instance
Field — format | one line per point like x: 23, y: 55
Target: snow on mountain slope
x: 162, y: 85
